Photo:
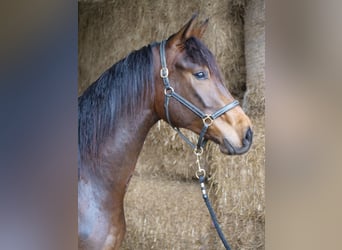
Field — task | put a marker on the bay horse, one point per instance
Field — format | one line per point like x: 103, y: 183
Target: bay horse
x: 176, y: 80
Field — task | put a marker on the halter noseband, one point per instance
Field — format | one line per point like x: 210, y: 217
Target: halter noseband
x: 206, y: 119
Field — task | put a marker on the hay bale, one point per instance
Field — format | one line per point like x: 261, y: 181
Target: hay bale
x: 254, y: 100
x: 164, y: 214
x: 110, y: 30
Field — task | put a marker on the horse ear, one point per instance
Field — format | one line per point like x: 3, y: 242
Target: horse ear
x: 184, y: 33
x: 198, y: 32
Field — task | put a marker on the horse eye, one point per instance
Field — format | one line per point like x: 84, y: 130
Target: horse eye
x: 200, y: 75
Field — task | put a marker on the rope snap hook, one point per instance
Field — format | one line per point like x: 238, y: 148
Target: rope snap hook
x: 200, y: 171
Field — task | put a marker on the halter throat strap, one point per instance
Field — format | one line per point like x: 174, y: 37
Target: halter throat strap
x: 169, y: 92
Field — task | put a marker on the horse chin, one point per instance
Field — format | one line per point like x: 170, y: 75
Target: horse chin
x: 227, y: 148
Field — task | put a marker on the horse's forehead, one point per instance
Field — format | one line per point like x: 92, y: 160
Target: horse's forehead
x: 186, y: 62
x: 186, y: 59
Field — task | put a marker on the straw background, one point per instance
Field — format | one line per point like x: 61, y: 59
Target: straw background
x: 163, y: 205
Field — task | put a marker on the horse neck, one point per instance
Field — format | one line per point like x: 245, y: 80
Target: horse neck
x: 119, y: 153
x: 129, y: 137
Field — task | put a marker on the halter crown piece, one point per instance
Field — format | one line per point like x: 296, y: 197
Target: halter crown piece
x: 207, y: 119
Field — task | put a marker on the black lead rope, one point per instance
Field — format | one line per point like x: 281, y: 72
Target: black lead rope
x: 212, y: 213
x: 207, y: 122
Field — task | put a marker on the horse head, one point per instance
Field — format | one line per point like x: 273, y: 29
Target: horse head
x: 193, y: 74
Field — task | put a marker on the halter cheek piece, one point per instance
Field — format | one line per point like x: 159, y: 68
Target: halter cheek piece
x: 206, y: 119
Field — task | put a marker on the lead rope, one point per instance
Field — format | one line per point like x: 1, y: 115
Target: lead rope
x: 200, y: 174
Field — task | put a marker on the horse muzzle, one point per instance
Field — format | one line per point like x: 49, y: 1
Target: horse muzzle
x: 227, y: 148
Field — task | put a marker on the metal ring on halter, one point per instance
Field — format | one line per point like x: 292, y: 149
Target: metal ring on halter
x: 200, y: 172
x: 198, y: 151
x: 208, y: 120
x: 168, y: 91
x: 164, y: 72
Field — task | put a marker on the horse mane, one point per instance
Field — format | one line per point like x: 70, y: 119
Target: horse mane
x: 118, y: 92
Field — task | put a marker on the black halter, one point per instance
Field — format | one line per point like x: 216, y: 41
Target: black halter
x: 170, y: 92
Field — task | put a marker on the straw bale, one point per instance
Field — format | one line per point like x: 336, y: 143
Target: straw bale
x: 254, y: 100
x: 164, y: 214
x: 109, y: 30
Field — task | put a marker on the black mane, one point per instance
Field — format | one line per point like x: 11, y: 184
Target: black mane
x: 119, y: 91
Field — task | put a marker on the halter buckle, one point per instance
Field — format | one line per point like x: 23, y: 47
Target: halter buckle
x: 207, y: 120
x: 164, y: 72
